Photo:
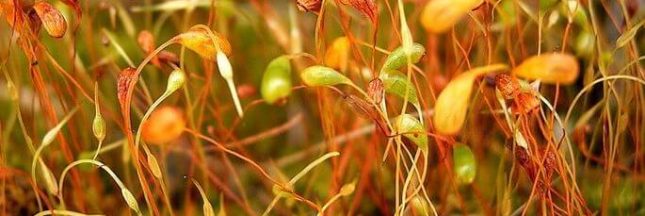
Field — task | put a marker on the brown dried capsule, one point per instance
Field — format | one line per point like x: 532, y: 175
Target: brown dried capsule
x: 366, y: 7
x: 309, y: 5
x: 550, y: 162
x: 366, y: 110
x: 507, y: 85
x: 375, y: 90
x: 168, y: 57
x: 246, y: 91
x: 147, y: 43
x: 522, y: 157
x: 126, y: 77
x: 524, y: 103
x: 52, y: 19
x: 34, y: 21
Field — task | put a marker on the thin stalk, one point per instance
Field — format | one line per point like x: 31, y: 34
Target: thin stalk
x: 100, y: 165
x: 299, y: 176
x: 225, y: 70
x: 128, y: 124
x: 63, y: 212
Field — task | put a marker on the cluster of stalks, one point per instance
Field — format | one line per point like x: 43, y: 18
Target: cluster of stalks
x: 346, y: 107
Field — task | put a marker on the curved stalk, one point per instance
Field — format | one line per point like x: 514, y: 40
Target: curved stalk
x: 63, y: 212
x: 116, y: 179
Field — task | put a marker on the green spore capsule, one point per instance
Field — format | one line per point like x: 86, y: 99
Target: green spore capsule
x: 323, y: 76
x: 399, y: 57
x: 397, y: 83
x: 276, y: 82
x: 411, y: 128
x: 465, y: 166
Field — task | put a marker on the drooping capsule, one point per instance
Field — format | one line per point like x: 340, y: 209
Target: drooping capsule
x: 323, y: 76
x: 439, y: 16
x: 176, y: 80
x: 276, y: 81
x: 549, y: 68
x: 524, y: 103
x: 412, y: 129
x: 164, y: 125
x: 400, y: 56
x: 337, y: 56
x: 146, y: 41
x: 198, y: 40
x: 130, y: 200
x: 508, y: 85
x: 125, y: 78
x: 464, y: 164
x: 214, y: 47
x: 375, y: 89
x: 52, y: 19
x: 395, y: 82
x: 99, y: 127
x: 309, y: 5
x: 452, y: 104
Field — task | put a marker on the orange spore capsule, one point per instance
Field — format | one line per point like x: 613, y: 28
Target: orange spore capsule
x: 51, y: 18
x: 507, y: 85
x: 164, y: 125
x: 524, y: 103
